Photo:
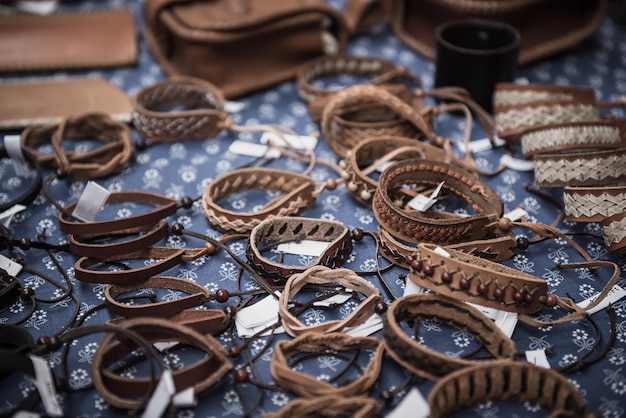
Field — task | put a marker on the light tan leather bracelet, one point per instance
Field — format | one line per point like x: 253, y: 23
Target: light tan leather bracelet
x: 425, y: 361
x: 322, y: 344
x: 329, y: 406
x: 324, y: 275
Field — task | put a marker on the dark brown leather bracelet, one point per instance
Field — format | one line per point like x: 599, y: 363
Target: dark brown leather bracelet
x: 286, y: 228
x: 329, y: 406
x: 442, y: 228
x: 202, y: 117
x: 384, y: 73
x: 297, y: 196
x: 505, y: 380
x: 125, y: 392
x: 425, y: 361
x: 372, y: 150
x: 310, y: 387
x: 166, y: 206
x: 325, y: 275
x: 103, y: 161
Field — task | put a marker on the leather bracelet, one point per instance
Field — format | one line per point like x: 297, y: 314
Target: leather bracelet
x: 513, y: 94
x: 593, y: 204
x: 297, y: 196
x: 30, y: 194
x: 425, y: 361
x: 415, y: 227
x: 383, y: 72
x: 473, y: 279
x: 324, y: 275
x: 149, y: 235
x: 105, y: 160
x: 614, y: 231
x: 202, y: 117
x: 284, y: 228
x: 329, y: 406
x: 166, y: 206
x: 573, y: 136
x: 122, y: 392
x: 597, y: 168
x: 505, y: 380
x: 363, y: 111
x: 15, y: 338
x: 9, y: 289
x: 374, y: 150
x: 310, y: 387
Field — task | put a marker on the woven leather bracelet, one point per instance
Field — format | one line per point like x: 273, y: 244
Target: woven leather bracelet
x: 442, y: 228
x: 614, y: 231
x: 363, y: 111
x: 376, y: 151
x: 573, y: 136
x: 505, y: 380
x: 597, y: 168
x: 593, y: 204
x: 202, y: 116
x: 384, y: 73
x: 125, y: 392
x: 102, y: 161
x: 329, y: 406
x: 322, y: 344
x: 425, y: 361
x: 297, y: 196
x: 285, y: 229
x: 324, y: 275
x: 30, y: 194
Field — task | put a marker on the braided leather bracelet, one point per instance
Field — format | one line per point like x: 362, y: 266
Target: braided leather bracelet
x: 202, y: 117
x: 363, y: 111
x: 30, y: 194
x: 125, y: 392
x: 376, y: 151
x: 614, y: 231
x: 425, y: 361
x: 593, y: 204
x: 297, y: 196
x: 442, y: 228
x: 321, y: 344
x: 284, y: 229
x: 384, y: 73
x: 324, y: 275
x: 507, y: 380
x: 329, y: 406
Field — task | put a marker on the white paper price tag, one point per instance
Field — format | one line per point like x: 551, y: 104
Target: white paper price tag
x: 186, y: 398
x: 37, y: 7
x: 371, y: 325
x: 13, y: 147
x: 337, y: 299
x: 516, y: 214
x: 506, y: 321
x: 45, y: 385
x: 161, y: 397
x: 615, y: 294
x: 480, y: 145
x: 412, y: 405
x: 91, y: 202
x: 302, y: 142
x: 517, y: 164
x: 26, y: 414
x: 234, y: 107
x: 250, y: 149
x: 11, y: 267
x: 423, y: 203
x: 255, y: 318
x: 411, y: 288
x: 538, y: 358
x: 7, y: 215
x: 304, y: 247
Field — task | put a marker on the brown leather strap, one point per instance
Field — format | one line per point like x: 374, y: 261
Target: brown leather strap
x: 506, y: 380
x: 204, y: 321
x: 201, y: 117
x: 329, y: 406
x: 122, y: 392
x: 425, y: 361
x: 310, y: 387
x: 416, y: 227
x: 324, y: 275
x: 284, y: 229
x: 297, y: 196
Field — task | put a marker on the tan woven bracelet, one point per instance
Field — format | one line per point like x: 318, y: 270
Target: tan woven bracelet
x: 325, y: 344
x: 329, y: 406
x: 324, y: 275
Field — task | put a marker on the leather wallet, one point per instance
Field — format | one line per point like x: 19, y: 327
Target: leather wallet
x: 38, y: 102
x: 72, y: 40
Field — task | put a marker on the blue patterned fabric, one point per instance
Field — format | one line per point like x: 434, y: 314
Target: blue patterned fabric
x: 186, y: 168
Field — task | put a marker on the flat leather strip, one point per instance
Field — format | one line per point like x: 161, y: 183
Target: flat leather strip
x: 593, y: 204
x: 148, y: 236
x: 31, y: 193
x: 425, y: 361
x: 119, y: 391
x: 297, y: 196
x: 324, y: 275
x: 284, y: 229
x: 329, y: 406
x: 506, y: 380
x: 166, y: 207
x: 204, y: 321
x: 416, y: 227
x: 201, y: 118
x: 308, y: 386
x: 472, y: 279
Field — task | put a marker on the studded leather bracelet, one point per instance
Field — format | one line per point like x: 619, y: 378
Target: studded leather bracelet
x: 284, y: 229
x: 321, y: 344
x: 425, y: 361
x: 324, y: 275
x: 506, y: 380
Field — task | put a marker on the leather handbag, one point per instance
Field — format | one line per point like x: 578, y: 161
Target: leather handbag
x: 241, y: 46
x: 546, y: 27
